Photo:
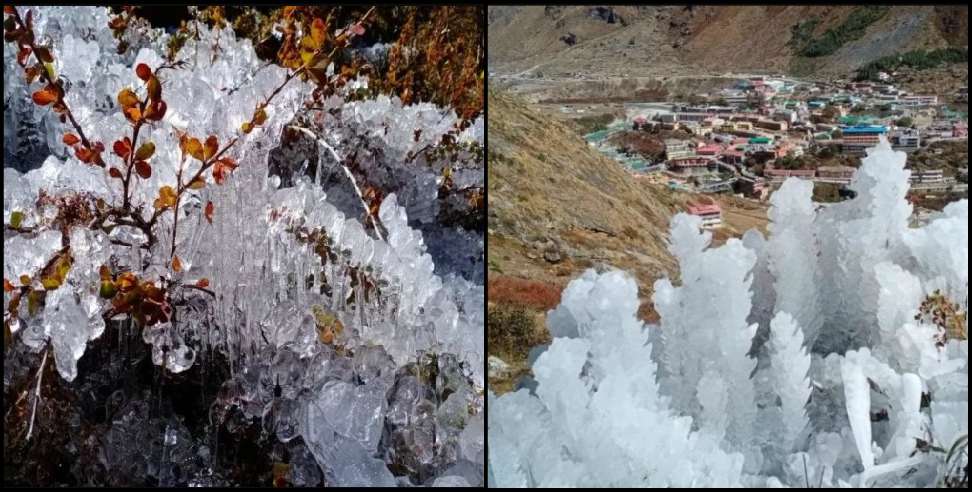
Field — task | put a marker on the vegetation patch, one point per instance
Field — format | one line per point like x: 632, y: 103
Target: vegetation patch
x: 830, y: 41
x: 916, y: 59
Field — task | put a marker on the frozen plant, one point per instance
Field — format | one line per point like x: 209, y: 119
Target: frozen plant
x: 862, y: 351
x: 155, y: 209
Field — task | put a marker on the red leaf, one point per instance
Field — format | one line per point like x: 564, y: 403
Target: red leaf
x: 143, y: 169
x: 223, y: 166
x: 84, y: 154
x: 7, y: 286
x: 8, y: 9
x: 45, y: 96
x: 143, y: 71
x: 209, y: 211
x: 98, y: 147
x: 23, y: 54
x: 203, y: 283
x: 71, y: 139
x: 115, y: 173
x: 123, y: 148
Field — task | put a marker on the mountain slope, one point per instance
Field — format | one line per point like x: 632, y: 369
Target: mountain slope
x: 557, y: 206
x: 670, y: 40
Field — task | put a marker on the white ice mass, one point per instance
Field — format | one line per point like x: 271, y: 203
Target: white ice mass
x: 799, y: 359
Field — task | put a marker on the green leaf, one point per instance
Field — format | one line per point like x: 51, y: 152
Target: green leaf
x: 51, y: 283
x: 16, y: 219
x: 145, y: 151
x: 108, y: 289
x: 34, y: 299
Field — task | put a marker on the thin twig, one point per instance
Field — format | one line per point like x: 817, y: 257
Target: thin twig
x: 40, y: 376
x: 347, y: 171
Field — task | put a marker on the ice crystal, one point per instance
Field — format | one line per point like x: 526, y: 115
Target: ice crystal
x: 801, y: 358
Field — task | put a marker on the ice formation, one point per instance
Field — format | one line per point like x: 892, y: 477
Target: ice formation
x: 802, y: 358
x: 386, y: 289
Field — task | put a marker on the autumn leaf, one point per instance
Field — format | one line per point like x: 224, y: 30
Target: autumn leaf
x: 127, y: 281
x: 155, y: 111
x: 84, y: 154
x: 25, y: 280
x: 166, y: 199
x: 143, y: 169
x: 197, y: 184
x: 260, y: 117
x: 202, y: 283
x: 133, y: 114
x: 318, y: 32
x: 115, y: 173
x: 221, y: 168
x: 194, y: 148
x: 7, y: 286
x: 176, y: 264
x: 122, y: 148
x: 127, y: 98
x: 212, y: 145
x: 104, y: 272
x: 209, y: 211
x: 143, y: 71
x: 70, y: 139
x: 247, y: 127
x: 145, y: 151
x: 154, y: 89
x: 43, y: 54
x: 45, y: 96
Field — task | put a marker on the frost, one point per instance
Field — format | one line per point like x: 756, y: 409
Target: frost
x: 806, y: 357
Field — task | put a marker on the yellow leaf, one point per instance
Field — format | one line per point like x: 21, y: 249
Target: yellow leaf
x: 195, y: 148
x: 197, y: 184
x: 166, y: 199
x: 127, y: 98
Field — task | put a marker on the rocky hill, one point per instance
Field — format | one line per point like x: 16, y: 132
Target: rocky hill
x: 650, y: 41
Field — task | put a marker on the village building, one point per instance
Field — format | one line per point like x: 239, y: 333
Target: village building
x: 689, y: 166
x: 755, y: 187
x: 858, y: 138
x: 710, y: 213
x: 675, y: 148
x: 779, y: 175
x: 836, y: 174
x: 927, y: 176
x: 905, y: 139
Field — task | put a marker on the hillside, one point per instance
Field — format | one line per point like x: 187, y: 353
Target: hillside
x: 557, y: 207
x: 649, y: 41
x: 549, y: 191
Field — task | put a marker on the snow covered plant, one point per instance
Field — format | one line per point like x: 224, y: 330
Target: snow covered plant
x: 156, y: 209
x: 832, y: 353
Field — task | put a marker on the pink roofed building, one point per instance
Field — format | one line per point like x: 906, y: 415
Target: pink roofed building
x: 710, y: 149
x: 710, y: 213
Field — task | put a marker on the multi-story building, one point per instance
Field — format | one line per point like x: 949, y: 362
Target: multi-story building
x: 905, y: 139
x: 675, y: 149
x: 692, y: 165
x: 858, y: 138
x: 710, y: 213
x: 779, y: 175
x: 836, y: 174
